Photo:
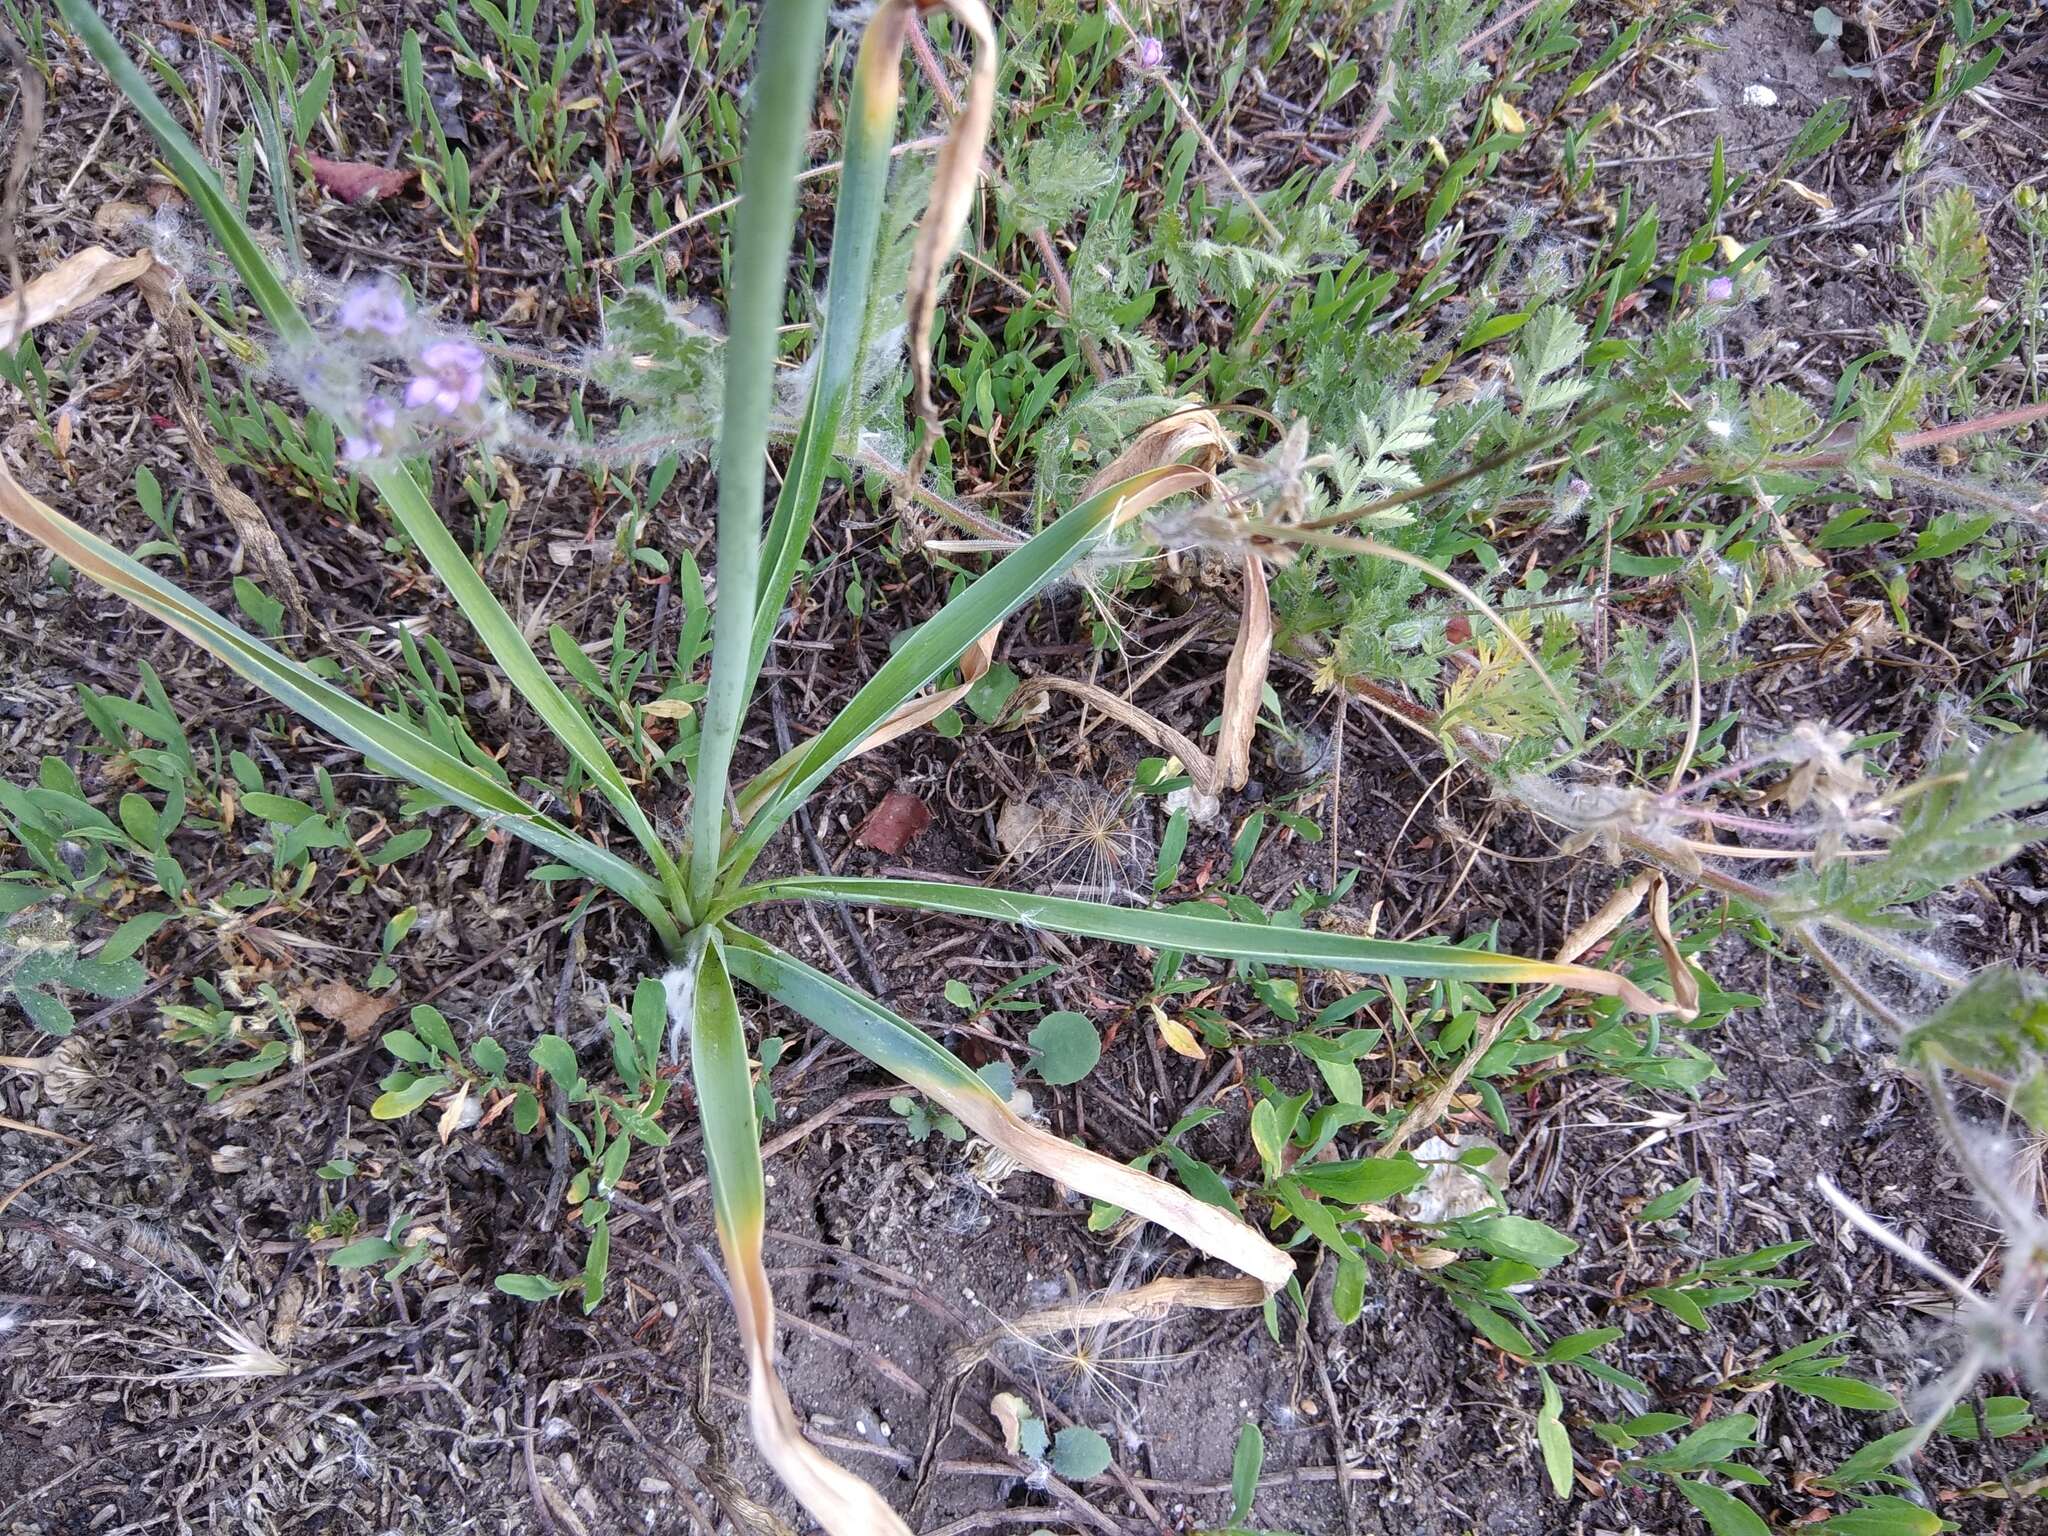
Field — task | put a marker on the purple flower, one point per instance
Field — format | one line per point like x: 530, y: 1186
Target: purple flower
x: 374, y: 308
x: 1720, y: 289
x: 449, y: 377
x: 380, y: 420
x: 1151, y: 53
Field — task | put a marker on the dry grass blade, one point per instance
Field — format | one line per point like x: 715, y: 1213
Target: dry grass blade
x: 974, y: 663
x: 1685, y: 986
x: 1215, y: 1231
x: 1149, y: 1303
x: 1194, y: 434
x: 1244, y: 679
x: 76, y: 280
x: 1163, y: 736
x: 953, y: 181
x: 1613, y: 913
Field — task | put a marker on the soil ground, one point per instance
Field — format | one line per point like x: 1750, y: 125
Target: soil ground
x: 137, y: 1225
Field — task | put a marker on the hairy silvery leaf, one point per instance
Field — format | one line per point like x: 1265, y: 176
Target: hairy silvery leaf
x: 1998, y: 1025
x: 663, y: 356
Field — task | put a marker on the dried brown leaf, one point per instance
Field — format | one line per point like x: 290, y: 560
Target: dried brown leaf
x: 356, y: 1012
x: 451, y: 1114
x: 75, y: 281
x: 1010, y: 1411
x: 1244, y: 679
x: 953, y: 181
x: 890, y: 826
x: 357, y: 181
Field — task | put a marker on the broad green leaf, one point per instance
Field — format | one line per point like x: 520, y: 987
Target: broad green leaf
x: 489, y: 1056
x: 1068, y: 1047
x: 1725, y: 1514
x: 1499, y: 1331
x: 1204, y: 931
x: 530, y: 1287
x: 407, y: 1047
x: 1670, y: 1203
x: 1574, y: 1345
x: 1245, y: 1464
x: 1842, y: 1391
x: 431, y: 1025
x: 362, y: 1254
x: 1996, y: 1416
x: 400, y: 1102
x: 1883, y: 1515
x: 1517, y: 1237
x: 1680, y: 1306
x: 1551, y: 1436
x: 1871, y: 1462
x: 556, y: 1057
x: 1716, y: 1440
x: 1079, y: 1453
x: 1363, y: 1180
x: 1347, y: 1294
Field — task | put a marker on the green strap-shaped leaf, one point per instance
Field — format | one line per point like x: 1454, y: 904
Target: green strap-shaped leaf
x: 931, y: 648
x: 409, y: 505
x: 902, y: 1049
x: 503, y: 638
x: 1207, y: 931
x: 388, y: 743
x: 700, y: 998
x: 856, y: 226
x: 786, y: 57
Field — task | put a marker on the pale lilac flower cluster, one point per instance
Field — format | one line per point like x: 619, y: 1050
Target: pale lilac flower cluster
x: 1720, y: 289
x: 1151, y: 54
x: 449, y: 376
x: 373, y: 309
x: 447, y: 388
x: 380, y: 424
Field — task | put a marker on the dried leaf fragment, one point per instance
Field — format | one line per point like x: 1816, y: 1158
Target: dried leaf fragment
x: 356, y: 1012
x: 75, y: 281
x: 356, y: 181
x: 892, y: 824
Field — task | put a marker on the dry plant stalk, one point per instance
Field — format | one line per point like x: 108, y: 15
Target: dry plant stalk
x: 953, y: 181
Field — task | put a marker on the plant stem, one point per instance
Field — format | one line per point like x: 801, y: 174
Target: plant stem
x: 791, y: 42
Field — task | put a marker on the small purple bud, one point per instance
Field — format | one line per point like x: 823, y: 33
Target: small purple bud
x: 380, y: 420
x: 1578, y: 490
x: 373, y: 309
x: 449, y: 377
x: 1720, y: 289
x: 1151, y: 53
